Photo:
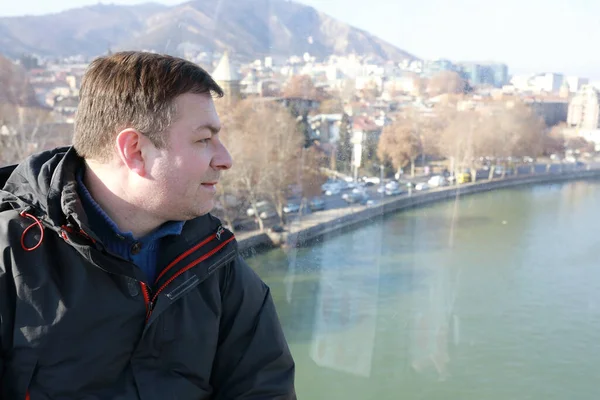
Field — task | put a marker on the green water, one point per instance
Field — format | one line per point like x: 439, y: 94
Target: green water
x: 493, y: 296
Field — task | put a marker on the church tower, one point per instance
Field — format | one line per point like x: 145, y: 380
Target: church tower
x: 227, y: 77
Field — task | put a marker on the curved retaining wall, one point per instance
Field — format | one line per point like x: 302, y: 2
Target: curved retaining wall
x: 363, y: 214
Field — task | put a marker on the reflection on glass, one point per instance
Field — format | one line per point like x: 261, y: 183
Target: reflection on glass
x: 346, y: 315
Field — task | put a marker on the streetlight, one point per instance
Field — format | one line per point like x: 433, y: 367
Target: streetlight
x: 381, y: 167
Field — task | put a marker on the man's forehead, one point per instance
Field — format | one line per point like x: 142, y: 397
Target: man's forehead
x: 199, y: 107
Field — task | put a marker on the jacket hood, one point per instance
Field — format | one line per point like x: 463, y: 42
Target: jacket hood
x: 43, y: 184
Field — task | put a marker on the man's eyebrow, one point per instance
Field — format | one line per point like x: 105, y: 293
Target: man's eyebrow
x: 214, y: 129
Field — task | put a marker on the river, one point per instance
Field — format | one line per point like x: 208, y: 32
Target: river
x: 493, y: 296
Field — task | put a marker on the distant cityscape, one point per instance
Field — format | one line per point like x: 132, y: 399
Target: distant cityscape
x: 375, y: 89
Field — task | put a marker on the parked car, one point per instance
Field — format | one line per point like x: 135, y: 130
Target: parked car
x: 333, y: 187
x: 393, y: 192
x: 463, y: 177
x: 371, y: 180
x: 437, y: 181
x: 422, y: 186
x: 570, y: 159
x: 316, y: 204
x: 290, y: 208
x: 355, y: 197
x: 265, y: 210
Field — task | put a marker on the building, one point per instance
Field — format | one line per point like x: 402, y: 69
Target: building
x: 365, y: 136
x: 228, y: 78
x: 553, y: 110
x: 584, y: 109
x: 326, y: 127
x: 500, y: 73
x: 431, y: 68
x: 575, y: 83
x: 478, y: 74
x: 547, y: 82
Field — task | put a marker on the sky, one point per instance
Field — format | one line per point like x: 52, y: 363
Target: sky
x: 528, y: 35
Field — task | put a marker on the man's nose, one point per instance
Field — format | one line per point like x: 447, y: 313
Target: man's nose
x: 222, y: 159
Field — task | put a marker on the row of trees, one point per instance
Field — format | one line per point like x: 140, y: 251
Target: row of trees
x: 463, y: 137
x: 270, y: 159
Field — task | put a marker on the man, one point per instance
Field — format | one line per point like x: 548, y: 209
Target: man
x: 115, y: 282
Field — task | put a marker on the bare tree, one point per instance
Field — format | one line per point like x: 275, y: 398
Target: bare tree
x: 245, y: 179
x: 310, y: 176
x: 23, y: 131
x: 528, y: 129
x: 446, y: 82
x: 23, y: 122
x: 401, y: 142
x: 333, y: 105
x: 265, y: 144
x: 554, y: 141
x: 462, y: 141
x: 579, y: 144
x: 15, y: 88
x: 229, y: 190
x: 516, y: 132
x: 497, y: 141
x: 300, y: 86
x: 283, y: 142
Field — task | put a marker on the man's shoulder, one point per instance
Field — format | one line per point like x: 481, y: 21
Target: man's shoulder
x: 203, y: 225
x: 5, y: 173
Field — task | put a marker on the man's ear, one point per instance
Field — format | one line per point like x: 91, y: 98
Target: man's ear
x: 130, y: 145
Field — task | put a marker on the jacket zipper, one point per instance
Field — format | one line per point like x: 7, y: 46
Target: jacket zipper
x: 147, y: 295
x: 150, y: 298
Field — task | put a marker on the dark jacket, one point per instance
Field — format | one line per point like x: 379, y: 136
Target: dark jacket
x: 80, y: 323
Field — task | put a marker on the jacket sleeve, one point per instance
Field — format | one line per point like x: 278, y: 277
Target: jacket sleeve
x: 3, y: 292
x: 253, y: 360
x: 7, y: 295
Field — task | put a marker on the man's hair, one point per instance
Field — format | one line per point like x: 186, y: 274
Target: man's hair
x: 133, y: 90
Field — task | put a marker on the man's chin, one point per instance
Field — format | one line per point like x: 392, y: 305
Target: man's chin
x: 206, y: 209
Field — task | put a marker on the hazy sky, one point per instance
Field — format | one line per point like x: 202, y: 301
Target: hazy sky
x: 528, y: 35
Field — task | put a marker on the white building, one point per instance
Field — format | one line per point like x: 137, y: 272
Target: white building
x: 548, y: 82
x: 584, y: 109
x: 575, y: 83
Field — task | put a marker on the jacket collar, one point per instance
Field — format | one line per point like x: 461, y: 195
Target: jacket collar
x: 46, y: 185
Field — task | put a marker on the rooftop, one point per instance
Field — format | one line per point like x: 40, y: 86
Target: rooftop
x: 225, y: 71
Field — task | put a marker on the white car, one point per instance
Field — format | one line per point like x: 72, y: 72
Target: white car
x: 333, y: 190
x: 373, y: 180
x: 393, y: 188
x: 437, y: 181
x: 393, y: 192
x: 265, y: 210
x: 290, y: 208
x: 422, y: 186
x: 392, y: 185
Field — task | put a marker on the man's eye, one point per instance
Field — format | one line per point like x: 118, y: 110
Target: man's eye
x: 205, y: 141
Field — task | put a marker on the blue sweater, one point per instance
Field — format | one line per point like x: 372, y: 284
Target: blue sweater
x: 142, y: 251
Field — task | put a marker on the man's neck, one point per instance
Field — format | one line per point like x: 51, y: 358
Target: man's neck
x: 110, y: 194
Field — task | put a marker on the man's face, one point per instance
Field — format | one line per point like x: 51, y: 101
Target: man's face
x: 186, y: 171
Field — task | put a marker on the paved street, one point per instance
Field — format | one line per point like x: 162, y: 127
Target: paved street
x: 335, y: 206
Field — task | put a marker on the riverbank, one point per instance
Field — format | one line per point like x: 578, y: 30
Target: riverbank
x: 314, y: 226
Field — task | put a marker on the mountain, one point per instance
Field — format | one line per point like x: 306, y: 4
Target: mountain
x: 248, y: 28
